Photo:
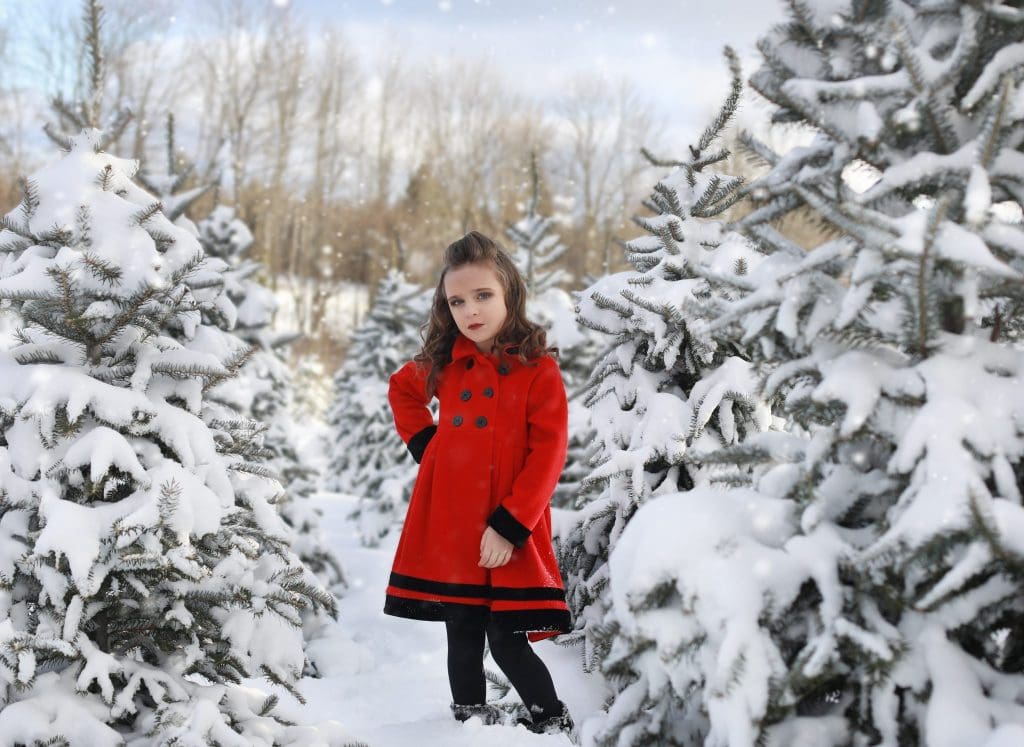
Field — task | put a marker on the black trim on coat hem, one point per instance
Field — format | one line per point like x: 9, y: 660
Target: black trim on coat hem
x: 421, y: 609
x: 506, y: 593
x: 515, y: 621
x: 418, y: 443
x: 533, y: 620
x: 508, y: 526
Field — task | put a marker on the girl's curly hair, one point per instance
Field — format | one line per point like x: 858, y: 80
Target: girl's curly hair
x: 441, y: 330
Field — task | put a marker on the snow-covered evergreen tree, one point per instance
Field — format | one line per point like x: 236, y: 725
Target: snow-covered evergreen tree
x: 89, y: 112
x: 168, y: 183
x: 144, y: 568
x: 226, y: 236
x: 667, y: 393
x: 312, y: 388
x: 367, y: 458
x: 582, y: 449
x: 866, y: 586
x: 263, y: 389
x: 536, y: 252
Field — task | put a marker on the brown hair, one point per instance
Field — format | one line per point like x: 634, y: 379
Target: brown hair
x: 441, y: 329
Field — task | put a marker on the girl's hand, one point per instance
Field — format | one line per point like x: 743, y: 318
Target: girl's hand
x: 495, y: 550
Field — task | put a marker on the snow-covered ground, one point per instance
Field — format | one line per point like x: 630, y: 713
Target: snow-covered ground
x: 385, y: 679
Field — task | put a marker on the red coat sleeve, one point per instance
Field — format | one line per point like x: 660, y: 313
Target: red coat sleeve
x: 547, y: 426
x: 407, y: 393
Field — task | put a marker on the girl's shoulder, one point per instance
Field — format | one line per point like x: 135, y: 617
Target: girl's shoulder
x: 547, y: 358
x: 544, y: 366
x: 411, y: 370
x: 415, y: 365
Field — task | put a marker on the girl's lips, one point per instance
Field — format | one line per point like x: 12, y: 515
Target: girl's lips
x: 478, y: 325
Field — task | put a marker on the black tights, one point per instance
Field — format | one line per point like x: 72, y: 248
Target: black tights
x: 512, y: 653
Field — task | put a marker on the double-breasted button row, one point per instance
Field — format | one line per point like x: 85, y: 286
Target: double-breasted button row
x: 465, y: 395
x: 481, y: 422
x: 503, y: 369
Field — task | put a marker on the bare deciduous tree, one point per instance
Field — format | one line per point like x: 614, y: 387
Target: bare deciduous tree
x: 344, y: 166
x: 54, y: 55
x: 473, y: 137
x: 233, y: 55
x: 332, y: 99
x: 602, y: 160
x: 11, y: 126
x: 132, y: 40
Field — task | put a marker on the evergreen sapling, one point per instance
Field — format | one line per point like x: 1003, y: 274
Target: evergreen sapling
x: 667, y: 393
x: 143, y: 562
x: 367, y: 458
x: 896, y: 562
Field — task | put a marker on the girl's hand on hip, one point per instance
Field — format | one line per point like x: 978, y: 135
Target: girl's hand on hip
x: 495, y: 550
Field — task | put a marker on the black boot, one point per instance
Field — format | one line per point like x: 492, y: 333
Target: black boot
x: 487, y: 713
x: 560, y: 723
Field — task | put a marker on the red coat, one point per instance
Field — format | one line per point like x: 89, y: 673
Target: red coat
x: 494, y: 458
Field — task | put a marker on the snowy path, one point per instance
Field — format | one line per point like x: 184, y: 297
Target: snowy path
x: 386, y: 680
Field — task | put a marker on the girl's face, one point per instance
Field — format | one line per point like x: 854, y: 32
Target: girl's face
x: 476, y: 299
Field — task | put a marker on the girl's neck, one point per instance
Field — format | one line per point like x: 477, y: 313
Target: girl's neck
x: 491, y: 350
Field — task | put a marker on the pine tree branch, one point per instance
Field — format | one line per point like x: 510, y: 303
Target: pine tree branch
x: 93, y: 21
x: 30, y: 198
x: 1005, y: 13
x: 943, y: 135
x: 101, y: 269
x: 145, y: 214
x: 931, y: 231
x: 66, y: 113
x: 172, y: 156
x: 55, y: 237
x: 728, y: 109
x: 23, y: 232
x: 993, y: 130
x: 114, y: 131
x: 966, y: 48
x: 61, y: 140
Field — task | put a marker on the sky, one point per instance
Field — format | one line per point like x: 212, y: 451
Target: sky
x: 670, y: 49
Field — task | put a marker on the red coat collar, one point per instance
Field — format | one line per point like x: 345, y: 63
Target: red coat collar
x: 464, y: 348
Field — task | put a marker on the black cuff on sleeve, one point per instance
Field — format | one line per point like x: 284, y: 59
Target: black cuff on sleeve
x: 418, y: 443
x: 505, y: 524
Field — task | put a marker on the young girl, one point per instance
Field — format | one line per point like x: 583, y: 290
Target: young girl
x: 476, y: 549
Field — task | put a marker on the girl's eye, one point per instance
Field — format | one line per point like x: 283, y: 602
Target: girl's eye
x: 484, y: 296
x: 456, y: 302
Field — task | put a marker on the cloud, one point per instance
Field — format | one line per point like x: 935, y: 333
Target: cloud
x: 672, y: 52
